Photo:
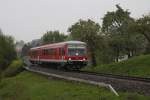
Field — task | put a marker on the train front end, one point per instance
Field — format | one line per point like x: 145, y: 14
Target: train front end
x: 76, y: 55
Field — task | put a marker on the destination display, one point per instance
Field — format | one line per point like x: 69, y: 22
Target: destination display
x: 76, y: 46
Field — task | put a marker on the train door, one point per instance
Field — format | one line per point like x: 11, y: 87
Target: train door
x: 59, y: 53
x: 62, y: 53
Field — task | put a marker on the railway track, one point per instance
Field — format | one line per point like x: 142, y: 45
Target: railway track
x: 132, y: 78
x: 120, y: 83
x: 106, y: 75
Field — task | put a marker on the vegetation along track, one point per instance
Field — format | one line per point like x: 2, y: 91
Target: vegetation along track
x: 126, y: 84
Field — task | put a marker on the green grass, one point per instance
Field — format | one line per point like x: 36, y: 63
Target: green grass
x: 30, y: 86
x: 136, y: 66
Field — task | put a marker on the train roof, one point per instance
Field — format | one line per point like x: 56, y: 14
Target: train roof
x: 57, y: 44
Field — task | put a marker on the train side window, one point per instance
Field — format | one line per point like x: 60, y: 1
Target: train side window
x: 60, y: 51
x: 53, y: 51
x: 34, y: 53
x: 46, y: 52
x: 31, y: 53
x: 50, y: 51
x: 43, y: 52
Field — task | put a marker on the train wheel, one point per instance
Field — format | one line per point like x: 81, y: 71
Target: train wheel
x: 72, y: 68
x: 67, y: 67
x: 77, y: 68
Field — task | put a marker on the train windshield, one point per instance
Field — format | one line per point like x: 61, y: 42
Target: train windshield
x: 76, y: 52
x: 76, y: 49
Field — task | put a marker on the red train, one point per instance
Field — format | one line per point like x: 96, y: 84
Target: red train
x: 69, y: 54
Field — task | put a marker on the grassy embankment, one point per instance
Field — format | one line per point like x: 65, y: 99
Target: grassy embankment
x: 137, y: 66
x: 30, y: 86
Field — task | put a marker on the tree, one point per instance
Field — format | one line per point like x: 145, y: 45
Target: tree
x: 116, y: 27
x: 143, y: 26
x: 53, y: 37
x: 25, y: 50
x: 87, y: 31
x: 115, y: 21
x: 7, y: 51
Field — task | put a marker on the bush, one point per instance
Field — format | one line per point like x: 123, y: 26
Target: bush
x: 7, y: 51
x: 14, y: 68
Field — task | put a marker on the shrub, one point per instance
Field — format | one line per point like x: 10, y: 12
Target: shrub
x: 7, y: 51
x: 14, y: 68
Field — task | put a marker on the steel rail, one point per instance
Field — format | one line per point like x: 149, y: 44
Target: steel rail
x: 133, y: 78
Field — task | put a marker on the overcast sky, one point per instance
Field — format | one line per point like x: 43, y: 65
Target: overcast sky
x: 30, y: 19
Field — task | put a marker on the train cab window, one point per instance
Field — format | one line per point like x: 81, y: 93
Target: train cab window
x: 76, y: 51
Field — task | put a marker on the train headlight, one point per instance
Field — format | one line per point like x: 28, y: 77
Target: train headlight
x: 84, y: 59
x: 69, y: 58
